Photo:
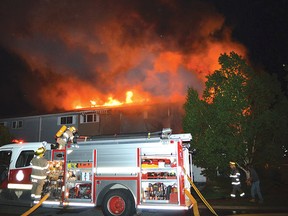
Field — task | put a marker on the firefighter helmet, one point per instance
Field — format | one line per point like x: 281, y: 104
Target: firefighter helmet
x: 232, y: 163
x: 40, y: 151
x: 72, y: 129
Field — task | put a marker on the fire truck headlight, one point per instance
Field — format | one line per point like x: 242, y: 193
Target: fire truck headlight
x: 20, y: 175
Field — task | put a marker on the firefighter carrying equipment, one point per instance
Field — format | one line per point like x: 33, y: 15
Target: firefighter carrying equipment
x: 36, y: 206
x: 66, y: 135
x: 195, y: 211
x: 61, y: 131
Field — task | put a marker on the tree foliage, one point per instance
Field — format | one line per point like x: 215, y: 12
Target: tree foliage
x: 241, y: 116
x: 5, y: 136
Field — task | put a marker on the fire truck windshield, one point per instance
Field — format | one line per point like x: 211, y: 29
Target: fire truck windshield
x: 4, y: 164
x: 5, y: 157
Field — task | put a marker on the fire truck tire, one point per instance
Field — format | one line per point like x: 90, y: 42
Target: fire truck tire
x: 118, y: 202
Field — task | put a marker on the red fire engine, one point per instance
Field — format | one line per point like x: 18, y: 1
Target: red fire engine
x: 123, y: 174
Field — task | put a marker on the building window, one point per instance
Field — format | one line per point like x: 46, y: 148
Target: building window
x: 24, y: 159
x: 3, y: 124
x: 66, y: 120
x: 89, y: 118
x: 17, y: 124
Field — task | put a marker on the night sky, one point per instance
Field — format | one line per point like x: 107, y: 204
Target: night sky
x: 59, y: 54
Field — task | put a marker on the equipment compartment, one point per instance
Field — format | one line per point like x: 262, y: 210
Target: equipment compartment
x: 79, y: 175
x: 160, y: 191
x: 159, y: 182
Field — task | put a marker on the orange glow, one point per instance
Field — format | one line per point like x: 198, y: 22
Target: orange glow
x: 93, y: 103
x: 18, y: 141
x: 111, y: 101
x: 210, y: 99
x: 93, y: 63
x: 247, y: 111
x: 129, y: 95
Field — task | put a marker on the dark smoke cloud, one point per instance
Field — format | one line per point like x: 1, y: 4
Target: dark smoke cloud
x: 78, y: 49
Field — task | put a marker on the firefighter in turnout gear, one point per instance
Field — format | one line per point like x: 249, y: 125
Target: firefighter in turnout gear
x: 39, y: 173
x: 66, y: 135
x: 235, y: 180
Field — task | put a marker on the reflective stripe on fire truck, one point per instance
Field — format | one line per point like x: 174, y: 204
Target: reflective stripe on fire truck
x: 78, y: 204
x: 57, y: 203
x: 163, y: 207
x: 117, y: 170
x: 38, y: 177
x: 19, y: 186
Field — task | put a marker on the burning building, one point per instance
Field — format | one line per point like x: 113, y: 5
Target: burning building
x: 93, y: 121
x: 71, y: 54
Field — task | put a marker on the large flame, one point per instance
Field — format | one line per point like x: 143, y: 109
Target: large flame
x: 113, y: 102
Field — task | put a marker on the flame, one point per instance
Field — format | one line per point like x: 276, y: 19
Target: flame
x: 113, y: 102
x: 88, y: 61
x: 93, y: 103
x: 129, y: 95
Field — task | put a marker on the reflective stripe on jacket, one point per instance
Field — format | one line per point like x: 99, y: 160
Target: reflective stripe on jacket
x: 235, y: 177
x: 39, y: 167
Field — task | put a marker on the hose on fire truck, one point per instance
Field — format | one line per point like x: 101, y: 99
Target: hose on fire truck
x: 199, y: 194
x: 36, y: 206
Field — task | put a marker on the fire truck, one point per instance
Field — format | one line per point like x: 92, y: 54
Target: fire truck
x: 123, y: 174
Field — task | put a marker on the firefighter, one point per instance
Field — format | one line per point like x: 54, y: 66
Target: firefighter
x: 39, y: 173
x: 66, y: 136
x: 235, y: 180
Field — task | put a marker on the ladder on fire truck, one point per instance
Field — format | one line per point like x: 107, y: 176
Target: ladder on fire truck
x: 195, y: 205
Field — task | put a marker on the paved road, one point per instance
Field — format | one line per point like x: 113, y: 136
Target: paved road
x: 12, y: 210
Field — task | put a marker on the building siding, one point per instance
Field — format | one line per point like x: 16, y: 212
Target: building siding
x: 120, y: 120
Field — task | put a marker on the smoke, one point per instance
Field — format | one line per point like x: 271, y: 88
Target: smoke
x: 79, y: 51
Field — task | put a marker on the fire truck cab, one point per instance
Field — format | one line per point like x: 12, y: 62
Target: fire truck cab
x: 123, y: 174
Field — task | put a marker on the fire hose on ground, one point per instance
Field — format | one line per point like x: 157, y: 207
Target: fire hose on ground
x: 195, y: 205
x: 36, y: 206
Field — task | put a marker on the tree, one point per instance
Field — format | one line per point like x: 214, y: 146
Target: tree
x: 241, y: 117
x: 266, y: 129
x: 5, y: 136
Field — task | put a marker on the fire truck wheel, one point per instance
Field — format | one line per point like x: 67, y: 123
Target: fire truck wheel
x: 118, y: 202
